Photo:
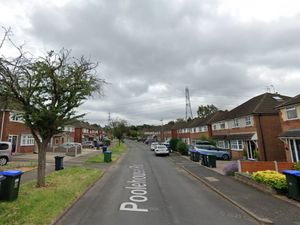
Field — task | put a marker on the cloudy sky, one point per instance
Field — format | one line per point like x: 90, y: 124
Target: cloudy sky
x: 224, y: 51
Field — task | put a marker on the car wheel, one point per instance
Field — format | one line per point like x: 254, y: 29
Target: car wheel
x: 225, y: 157
x: 3, y: 161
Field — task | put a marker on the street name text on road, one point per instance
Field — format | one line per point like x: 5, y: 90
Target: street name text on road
x: 138, y: 190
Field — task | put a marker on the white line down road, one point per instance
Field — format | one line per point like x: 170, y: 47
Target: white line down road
x: 138, y: 190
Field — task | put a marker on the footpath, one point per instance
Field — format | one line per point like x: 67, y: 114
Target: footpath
x: 264, y: 207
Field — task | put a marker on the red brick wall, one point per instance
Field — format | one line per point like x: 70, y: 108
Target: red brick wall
x: 289, y: 124
x: 269, y: 146
x: 196, y: 136
x: 237, y: 130
x: 78, y: 135
x: 251, y: 167
x: 15, y: 128
x: 174, y: 133
x: 236, y: 154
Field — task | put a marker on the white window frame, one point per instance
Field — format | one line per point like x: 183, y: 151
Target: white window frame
x: 16, y: 117
x: 236, y: 145
x: 248, y: 121
x: 222, y: 126
x: 27, y: 140
x: 236, y: 123
x: 290, y: 109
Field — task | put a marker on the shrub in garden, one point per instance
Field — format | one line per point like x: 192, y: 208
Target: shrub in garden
x: 272, y: 178
x: 182, y: 148
x: 173, y: 143
x: 297, y: 166
x: 106, y: 142
x: 231, y: 168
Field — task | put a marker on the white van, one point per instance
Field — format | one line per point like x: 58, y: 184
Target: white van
x: 5, y: 152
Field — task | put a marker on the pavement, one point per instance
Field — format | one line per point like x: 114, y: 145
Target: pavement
x: 265, y: 208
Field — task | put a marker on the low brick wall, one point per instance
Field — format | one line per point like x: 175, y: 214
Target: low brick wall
x: 254, y: 166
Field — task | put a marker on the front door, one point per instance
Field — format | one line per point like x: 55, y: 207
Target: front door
x: 295, y: 149
x: 13, y: 140
x: 251, y: 147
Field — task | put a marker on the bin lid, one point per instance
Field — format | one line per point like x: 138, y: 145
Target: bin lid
x: 12, y: 173
x: 292, y: 172
x: 107, y: 152
x: 58, y: 156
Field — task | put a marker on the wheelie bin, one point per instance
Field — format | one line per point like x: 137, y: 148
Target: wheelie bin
x: 10, y: 185
x: 211, y: 161
x: 197, y: 156
x: 59, y: 162
x: 293, y: 182
x: 107, y: 156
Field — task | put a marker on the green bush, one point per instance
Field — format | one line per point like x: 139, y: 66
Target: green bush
x: 106, y: 142
x: 182, y: 148
x: 173, y: 143
x: 272, y: 178
x: 297, y: 166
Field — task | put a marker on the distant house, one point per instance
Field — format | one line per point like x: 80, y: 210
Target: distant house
x: 290, y: 123
x: 252, y: 126
x: 201, y: 127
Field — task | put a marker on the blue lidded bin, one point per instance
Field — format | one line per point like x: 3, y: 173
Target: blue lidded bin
x: 10, y: 186
x: 293, y: 182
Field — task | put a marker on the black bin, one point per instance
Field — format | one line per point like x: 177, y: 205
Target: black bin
x: 293, y: 182
x: 10, y: 185
x: 197, y: 157
x: 2, y: 178
x: 212, y: 159
x: 59, y: 162
x: 204, y: 159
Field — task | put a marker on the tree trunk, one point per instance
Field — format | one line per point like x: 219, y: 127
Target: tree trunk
x: 42, y: 164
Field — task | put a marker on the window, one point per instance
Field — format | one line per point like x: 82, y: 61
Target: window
x: 222, y: 125
x: 16, y: 117
x: 291, y: 112
x: 236, y: 123
x: 214, y: 127
x: 221, y: 144
x: 236, y: 144
x: 4, y: 146
x: 27, y: 140
x: 248, y: 121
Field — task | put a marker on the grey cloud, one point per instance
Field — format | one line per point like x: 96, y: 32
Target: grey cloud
x: 141, y: 44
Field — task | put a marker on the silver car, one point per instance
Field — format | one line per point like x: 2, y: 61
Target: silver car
x: 5, y: 152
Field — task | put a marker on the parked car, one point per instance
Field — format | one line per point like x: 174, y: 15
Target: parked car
x: 210, y: 149
x: 88, y: 144
x: 5, y: 152
x: 153, y: 145
x: 161, y: 150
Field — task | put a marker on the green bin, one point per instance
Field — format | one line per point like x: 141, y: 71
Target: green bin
x: 293, y: 182
x: 10, y: 186
x: 107, y: 156
x: 211, y: 161
x: 197, y: 157
x: 192, y: 156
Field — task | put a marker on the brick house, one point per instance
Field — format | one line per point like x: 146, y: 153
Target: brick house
x: 182, y: 131
x: 289, y: 113
x: 201, y: 127
x: 253, y: 126
x: 167, y: 131
x: 14, y: 130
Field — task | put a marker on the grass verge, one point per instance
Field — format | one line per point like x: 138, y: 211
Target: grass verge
x: 116, y: 150
x: 44, y: 205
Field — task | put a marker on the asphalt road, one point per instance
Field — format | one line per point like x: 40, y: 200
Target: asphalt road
x: 149, y: 190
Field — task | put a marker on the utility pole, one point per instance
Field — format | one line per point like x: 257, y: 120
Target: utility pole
x: 109, y: 119
x: 188, y: 107
x: 162, y: 130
